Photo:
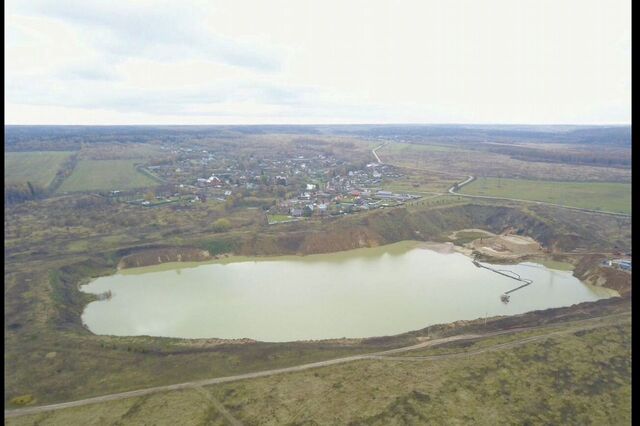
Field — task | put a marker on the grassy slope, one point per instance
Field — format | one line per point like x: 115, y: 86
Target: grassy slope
x: 37, y: 167
x: 105, y: 175
x: 580, y: 377
x: 607, y: 196
x: 576, y: 379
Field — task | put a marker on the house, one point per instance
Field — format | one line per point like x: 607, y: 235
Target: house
x: 214, y: 180
x: 295, y: 212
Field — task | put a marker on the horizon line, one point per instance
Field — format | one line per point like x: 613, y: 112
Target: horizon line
x: 326, y: 124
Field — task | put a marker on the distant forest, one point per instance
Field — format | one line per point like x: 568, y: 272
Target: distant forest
x: 26, y: 138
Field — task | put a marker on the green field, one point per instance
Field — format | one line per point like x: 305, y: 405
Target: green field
x: 97, y: 175
x: 275, y: 218
x: 606, y: 196
x: 38, y: 167
x: 406, y: 148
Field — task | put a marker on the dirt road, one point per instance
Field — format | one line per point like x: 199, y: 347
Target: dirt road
x: 573, y: 326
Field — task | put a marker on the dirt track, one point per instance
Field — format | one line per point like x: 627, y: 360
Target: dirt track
x: 384, y: 355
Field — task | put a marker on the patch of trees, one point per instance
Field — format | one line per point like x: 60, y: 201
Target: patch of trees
x: 307, y: 212
x: 221, y: 225
x: 19, y: 192
x: 593, y: 157
x: 26, y: 191
x: 218, y: 246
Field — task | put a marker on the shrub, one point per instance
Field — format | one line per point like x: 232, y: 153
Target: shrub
x: 22, y: 400
x: 221, y: 225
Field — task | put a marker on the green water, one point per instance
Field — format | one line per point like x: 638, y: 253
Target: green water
x: 359, y: 293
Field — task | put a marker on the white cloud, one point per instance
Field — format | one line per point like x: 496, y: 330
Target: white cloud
x: 530, y: 61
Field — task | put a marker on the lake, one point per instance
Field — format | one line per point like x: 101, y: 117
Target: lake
x: 359, y: 293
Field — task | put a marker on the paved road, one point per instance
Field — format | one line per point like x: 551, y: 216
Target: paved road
x: 460, y: 185
x: 258, y: 374
x: 375, y: 154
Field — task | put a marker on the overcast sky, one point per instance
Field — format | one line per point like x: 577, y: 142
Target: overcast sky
x: 296, y: 61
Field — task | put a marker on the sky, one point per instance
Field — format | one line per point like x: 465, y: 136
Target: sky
x: 313, y: 62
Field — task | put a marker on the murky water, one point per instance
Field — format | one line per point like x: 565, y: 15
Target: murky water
x: 360, y: 293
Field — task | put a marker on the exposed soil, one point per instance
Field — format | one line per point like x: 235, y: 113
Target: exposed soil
x: 508, y: 246
x: 440, y: 247
x: 590, y: 270
x: 163, y: 255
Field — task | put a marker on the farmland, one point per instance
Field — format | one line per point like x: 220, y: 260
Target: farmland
x: 484, y: 159
x: 39, y: 167
x: 104, y: 175
x: 606, y: 196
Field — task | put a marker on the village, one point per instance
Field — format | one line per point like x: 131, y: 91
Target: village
x: 288, y: 187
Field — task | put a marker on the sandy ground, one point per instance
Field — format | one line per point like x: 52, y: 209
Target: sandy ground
x: 507, y: 246
x: 438, y: 247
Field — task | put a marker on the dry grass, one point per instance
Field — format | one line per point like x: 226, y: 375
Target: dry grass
x: 582, y: 377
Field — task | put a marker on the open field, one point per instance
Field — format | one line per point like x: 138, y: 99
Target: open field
x: 592, y: 368
x: 607, y: 196
x: 399, y: 148
x: 577, y: 373
x: 278, y: 218
x: 483, y: 389
x: 38, y: 167
x: 105, y: 175
x: 479, y: 162
x: 420, y: 182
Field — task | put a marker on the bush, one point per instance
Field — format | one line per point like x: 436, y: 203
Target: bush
x: 221, y: 225
x: 217, y: 247
x: 22, y: 400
